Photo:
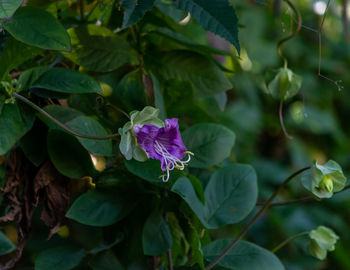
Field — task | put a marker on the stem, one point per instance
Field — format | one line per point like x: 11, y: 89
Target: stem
x: 345, y: 19
x: 254, y: 219
x: 296, y: 31
x: 65, y: 127
x: 118, y: 109
x: 300, y: 200
x: 285, y: 242
x: 304, y: 199
x: 282, y: 122
x: 82, y: 7
x: 170, y: 257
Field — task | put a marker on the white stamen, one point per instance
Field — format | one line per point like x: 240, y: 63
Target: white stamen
x: 171, y: 162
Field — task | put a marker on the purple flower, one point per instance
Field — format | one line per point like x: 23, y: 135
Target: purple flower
x: 164, y: 144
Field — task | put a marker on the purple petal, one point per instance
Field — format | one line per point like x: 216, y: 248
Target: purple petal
x: 146, y: 136
x: 169, y: 137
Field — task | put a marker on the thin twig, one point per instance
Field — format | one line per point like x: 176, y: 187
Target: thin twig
x: 254, y: 219
x: 285, y: 242
x: 65, y: 127
x: 82, y: 8
x: 345, y: 19
x: 300, y: 200
x: 296, y: 31
x: 282, y: 122
x: 170, y: 256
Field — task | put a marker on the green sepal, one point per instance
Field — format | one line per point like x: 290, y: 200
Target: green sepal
x: 322, y: 240
x: 128, y: 144
x: 324, y: 180
x: 283, y: 83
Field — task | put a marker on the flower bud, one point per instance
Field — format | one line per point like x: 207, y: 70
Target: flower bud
x: 326, y: 183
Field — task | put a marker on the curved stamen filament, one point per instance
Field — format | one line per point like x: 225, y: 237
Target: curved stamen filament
x: 171, y: 162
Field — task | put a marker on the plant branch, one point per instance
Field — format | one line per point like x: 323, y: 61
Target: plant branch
x: 170, y: 256
x: 60, y: 124
x: 285, y: 242
x: 300, y: 200
x: 282, y: 122
x: 82, y: 7
x: 345, y: 19
x: 296, y: 31
x: 254, y: 219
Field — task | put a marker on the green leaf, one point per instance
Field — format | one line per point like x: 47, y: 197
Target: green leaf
x: 135, y: 10
x: 88, y: 126
x: 6, y: 246
x: 130, y: 92
x: 8, y: 7
x: 230, y: 195
x: 99, y: 209
x: 59, y: 258
x: 61, y: 113
x: 14, y: 54
x: 210, y: 143
x: 13, y: 125
x: 217, y: 16
x: 98, y: 49
x: 29, y: 76
x: 151, y: 172
x: 67, y: 81
x: 243, y: 256
x: 205, y: 77
x: 32, y: 144
x: 37, y: 27
x: 105, y: 261
x: 156, y: 235
x: 68, y: 155
x: 158, y: 97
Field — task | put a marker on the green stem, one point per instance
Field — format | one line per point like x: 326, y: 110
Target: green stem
x: 285, y: 242
x: 254, y: 219
x: 65, y: 127
x: 296, y: 31
x: 82, y: 7
x: 118, y: 109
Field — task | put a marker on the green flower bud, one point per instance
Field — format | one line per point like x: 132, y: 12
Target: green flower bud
x: 322, y: 240
x: 326, y: 183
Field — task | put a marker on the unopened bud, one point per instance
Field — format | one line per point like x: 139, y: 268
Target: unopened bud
x: 326, y: 183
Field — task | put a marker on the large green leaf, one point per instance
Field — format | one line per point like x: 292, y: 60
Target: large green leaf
x: 99, y: 209
x: 59, y: 258
x: 61, y: 113
x: 105, y: 261
x: 230, y: 195
x: 217, y: 16
x: 8, y: 7
x: 151, y: 172
x: 243, y: 256
x: 88, y: 126
x: 67, y: 81
x: 6, y: 245
x: 130, y: 92
x: 68, y: 155
x: 98, y: 49
x: 14, y: 54
x: 156, y: 236
x: 14, y: 123
x: 37, y: 27
x: 205, y: 77
x: 135, y: 10
x: 210, y: 143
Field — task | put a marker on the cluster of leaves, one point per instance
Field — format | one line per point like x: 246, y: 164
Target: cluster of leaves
x: 72, y: 74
